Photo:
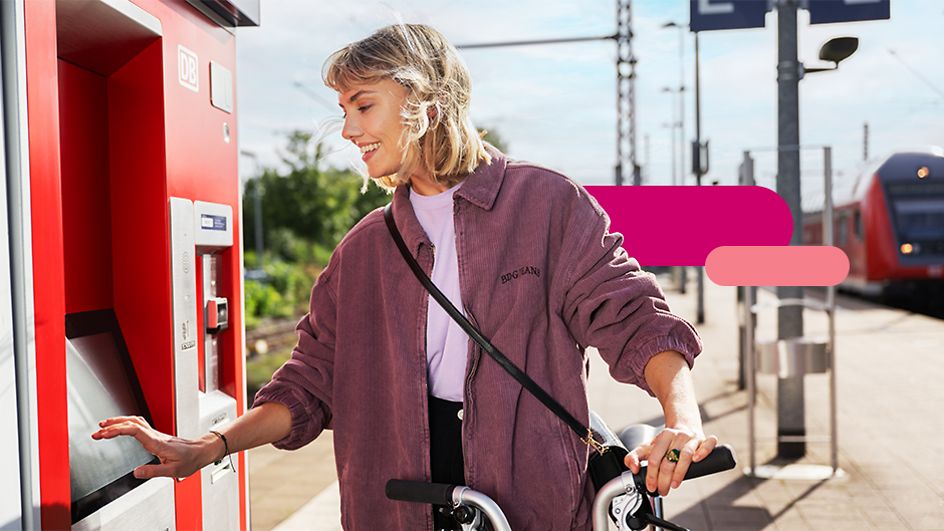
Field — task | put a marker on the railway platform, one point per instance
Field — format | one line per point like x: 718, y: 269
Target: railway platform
x: 891, y: 438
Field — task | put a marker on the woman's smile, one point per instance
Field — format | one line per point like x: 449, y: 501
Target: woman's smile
x: 367, y: 151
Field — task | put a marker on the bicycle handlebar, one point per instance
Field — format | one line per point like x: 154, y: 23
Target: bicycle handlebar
x: 419, y: 492
x: 719, y: 460
x: 442, y: 494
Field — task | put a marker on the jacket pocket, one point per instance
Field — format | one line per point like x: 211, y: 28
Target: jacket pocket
x: 568, y: 462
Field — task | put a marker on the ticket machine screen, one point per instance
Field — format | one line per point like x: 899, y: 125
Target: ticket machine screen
x: 101, y: 384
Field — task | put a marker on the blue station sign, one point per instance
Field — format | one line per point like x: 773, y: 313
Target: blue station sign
x: 826, y: 11
x: 708, y: 15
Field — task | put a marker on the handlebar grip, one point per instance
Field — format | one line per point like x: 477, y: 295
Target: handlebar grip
x: 419, y: 491
x: 719, y: 460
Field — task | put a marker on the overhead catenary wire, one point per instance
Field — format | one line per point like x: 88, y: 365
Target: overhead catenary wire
x: 916, y: 73
x: 537, y: 42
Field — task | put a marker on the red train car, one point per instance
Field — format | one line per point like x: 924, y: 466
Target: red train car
x: 892, y: 226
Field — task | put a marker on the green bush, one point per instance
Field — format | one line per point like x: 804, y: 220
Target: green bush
x: 285, y: 291
x: 263, y: 300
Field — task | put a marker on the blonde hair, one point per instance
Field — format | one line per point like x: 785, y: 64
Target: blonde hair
x: 420, y: 58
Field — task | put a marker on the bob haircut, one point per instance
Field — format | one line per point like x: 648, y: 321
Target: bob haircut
x: 438, y: 135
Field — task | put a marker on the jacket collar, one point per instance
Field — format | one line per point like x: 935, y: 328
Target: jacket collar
x: 480, y: 188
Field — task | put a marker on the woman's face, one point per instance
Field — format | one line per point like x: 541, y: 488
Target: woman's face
x: 372, y: 121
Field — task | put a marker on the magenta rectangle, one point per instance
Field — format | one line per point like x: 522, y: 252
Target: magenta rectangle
x: 681, y: 225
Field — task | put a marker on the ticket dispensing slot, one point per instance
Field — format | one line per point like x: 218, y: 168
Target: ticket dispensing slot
x: 200, y: 232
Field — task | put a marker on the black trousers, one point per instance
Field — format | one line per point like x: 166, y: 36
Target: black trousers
x: 445, y: 452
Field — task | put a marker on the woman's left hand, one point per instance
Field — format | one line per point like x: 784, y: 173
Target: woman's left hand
x: 663, y: 474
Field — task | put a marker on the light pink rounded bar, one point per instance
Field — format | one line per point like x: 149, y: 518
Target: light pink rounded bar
x: 777, y: 266
x: 680, y: 225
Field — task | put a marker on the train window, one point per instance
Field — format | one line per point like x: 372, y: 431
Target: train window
x: 857, y: 221
x: 842, y: 232
x: 920, y: 218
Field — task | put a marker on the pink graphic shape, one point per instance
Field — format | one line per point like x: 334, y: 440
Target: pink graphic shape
x: 777, y: 266
x: 680, y: 225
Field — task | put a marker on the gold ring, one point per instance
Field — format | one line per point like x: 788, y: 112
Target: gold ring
x: 673, y: 455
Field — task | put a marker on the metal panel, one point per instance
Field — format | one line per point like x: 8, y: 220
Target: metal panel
x: 220, y: 482
x: 150, y: 506
x: 709, y: 15
x: 213, y: 228
x: 184, y: 289
x: 17, y: 206
x: 10, y: 508
x: 221, y: 87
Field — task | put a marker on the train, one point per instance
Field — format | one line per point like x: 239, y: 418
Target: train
x: 891, y: 226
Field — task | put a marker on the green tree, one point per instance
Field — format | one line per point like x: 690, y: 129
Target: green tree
x: 306, y: 203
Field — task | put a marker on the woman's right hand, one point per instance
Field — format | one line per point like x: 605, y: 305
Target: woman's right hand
x: 179, y: 457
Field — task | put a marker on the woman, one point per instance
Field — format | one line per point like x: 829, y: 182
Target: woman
x: 524, y: 252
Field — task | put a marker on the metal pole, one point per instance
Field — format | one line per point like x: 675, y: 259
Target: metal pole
x: 865, y: 141
x: 622, y: 105
x: 681, y: 32
x: 627, y: 6
x: 618, y: 177
x: 746, y: 178
x: 257, y: 205
x: 257, y: 200
x: 751, y: 391
x: 626, y: 95
x: 700, y: 308
x: 790, y: 401
x: 672, y: 139
x: 830, y: 308
x: 648, y: 166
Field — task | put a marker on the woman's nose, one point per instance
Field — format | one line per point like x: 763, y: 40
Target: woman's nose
x: 350, y: 130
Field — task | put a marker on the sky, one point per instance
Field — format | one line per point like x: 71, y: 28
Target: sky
x: 555, y: 105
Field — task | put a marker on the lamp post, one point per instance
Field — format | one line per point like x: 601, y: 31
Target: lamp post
x: 671, y: 127
x: 791, y: 421
x: 682, y: 270
x: 678, y: 177
x: 257, y: 205
x: 681, y: 94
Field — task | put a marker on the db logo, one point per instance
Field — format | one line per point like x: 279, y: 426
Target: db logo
x: 187, y: 69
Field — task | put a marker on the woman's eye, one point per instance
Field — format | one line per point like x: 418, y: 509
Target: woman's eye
x: 364, y: 108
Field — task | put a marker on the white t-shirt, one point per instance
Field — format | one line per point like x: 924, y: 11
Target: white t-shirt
x: 447, y: 345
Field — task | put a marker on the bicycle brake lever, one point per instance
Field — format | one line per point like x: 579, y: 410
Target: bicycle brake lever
x: 652, y: 519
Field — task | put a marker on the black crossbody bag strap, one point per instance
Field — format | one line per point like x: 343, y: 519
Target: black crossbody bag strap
x: 585, y: 434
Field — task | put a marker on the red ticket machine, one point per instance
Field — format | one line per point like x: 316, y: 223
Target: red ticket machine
x: 125, y: 264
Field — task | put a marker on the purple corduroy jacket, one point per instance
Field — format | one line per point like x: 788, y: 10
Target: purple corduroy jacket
x: 543, y: 278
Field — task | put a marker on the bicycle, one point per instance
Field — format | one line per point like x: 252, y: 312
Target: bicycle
x: 624, y: 499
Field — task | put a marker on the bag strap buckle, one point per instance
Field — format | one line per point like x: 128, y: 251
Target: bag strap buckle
x: 592, y: 442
